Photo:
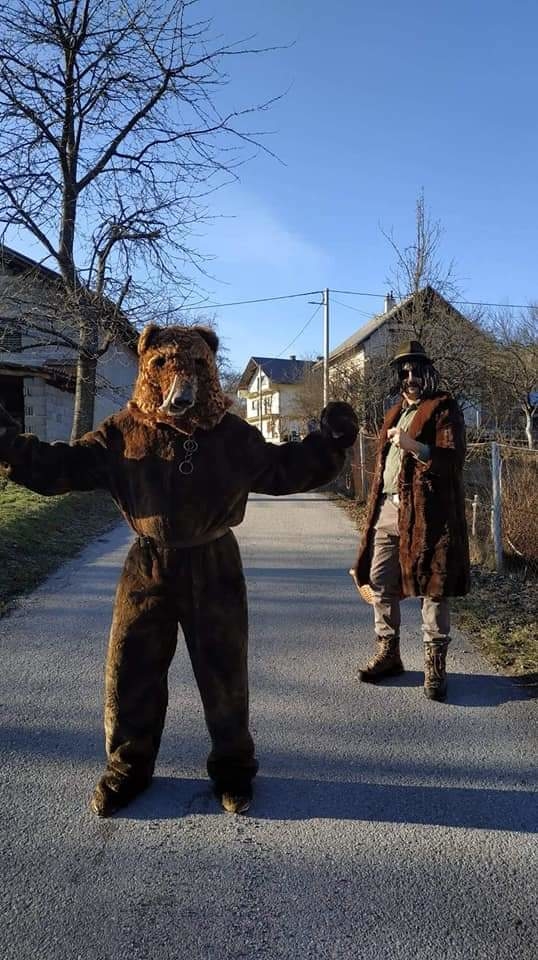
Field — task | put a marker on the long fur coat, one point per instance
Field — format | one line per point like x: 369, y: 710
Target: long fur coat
x: 434, y: 550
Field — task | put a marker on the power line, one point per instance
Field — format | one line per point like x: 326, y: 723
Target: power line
x: 349, y: 293
x: 347, y: 306
x: 482, y: 303
x: 355, y: 293
x: 470, y: 303
x: 318, y: 308
x: 239, y: 303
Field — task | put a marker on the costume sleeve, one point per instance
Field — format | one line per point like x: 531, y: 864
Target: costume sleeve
x: 54, y: 468
x: 447, y: 453
x: 278, y: 469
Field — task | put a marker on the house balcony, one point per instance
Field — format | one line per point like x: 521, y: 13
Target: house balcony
x: 254, y: 394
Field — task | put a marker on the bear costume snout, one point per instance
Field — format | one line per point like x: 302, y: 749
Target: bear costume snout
x: 181, y: 396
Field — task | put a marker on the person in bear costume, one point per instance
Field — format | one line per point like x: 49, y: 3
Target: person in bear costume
x: 180, y: 468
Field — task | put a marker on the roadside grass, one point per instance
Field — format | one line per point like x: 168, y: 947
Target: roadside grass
x: 37, y: 534
x: 499, y: 617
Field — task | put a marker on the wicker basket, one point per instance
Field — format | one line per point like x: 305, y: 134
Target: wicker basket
x: 365, y: 590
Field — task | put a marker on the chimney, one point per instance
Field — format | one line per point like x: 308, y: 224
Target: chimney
x: 390, y: 302
x: 293, y: 356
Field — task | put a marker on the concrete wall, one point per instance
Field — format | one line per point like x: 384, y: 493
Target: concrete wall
x: 48, y: 410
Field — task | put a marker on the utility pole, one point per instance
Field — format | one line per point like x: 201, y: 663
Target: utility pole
x: 260, y: 418
x: 325, y: 346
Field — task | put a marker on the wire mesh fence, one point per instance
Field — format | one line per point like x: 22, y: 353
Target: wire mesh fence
x: 515, y: 515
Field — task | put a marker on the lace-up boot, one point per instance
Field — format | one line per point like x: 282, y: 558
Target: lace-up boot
x: 386, y: 661
x: 435, y: 682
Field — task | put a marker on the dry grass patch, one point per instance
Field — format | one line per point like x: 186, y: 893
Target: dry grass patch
x: 37, y: 534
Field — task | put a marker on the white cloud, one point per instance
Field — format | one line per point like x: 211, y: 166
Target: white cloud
x: 254, y: 235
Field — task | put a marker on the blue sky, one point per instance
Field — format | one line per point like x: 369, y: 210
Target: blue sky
x: 383, y: 99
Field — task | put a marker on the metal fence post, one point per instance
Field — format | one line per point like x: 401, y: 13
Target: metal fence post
x: 496, y: 506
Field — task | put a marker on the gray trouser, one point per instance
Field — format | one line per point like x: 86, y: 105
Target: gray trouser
x: 385, y: 583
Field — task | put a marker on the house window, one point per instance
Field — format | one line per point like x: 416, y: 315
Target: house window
x: 10, y: 337
x: 267, y: 404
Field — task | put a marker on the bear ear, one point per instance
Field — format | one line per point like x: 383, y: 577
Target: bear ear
x: 209, y: 336
x: 147, y: 337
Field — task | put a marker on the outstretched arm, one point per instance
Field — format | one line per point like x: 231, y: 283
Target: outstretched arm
x: 295, y: 467
x: 52, y: 468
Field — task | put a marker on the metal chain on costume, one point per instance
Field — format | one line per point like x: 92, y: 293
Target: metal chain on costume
x: 186, y: 466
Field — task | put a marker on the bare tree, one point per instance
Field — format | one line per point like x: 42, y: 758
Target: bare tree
x: 419, y: 264
x: 456, y: 342
x: 309, y: 393
x: 513, y: 367
x: 111, y: 140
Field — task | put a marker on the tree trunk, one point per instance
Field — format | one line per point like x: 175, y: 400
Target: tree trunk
x: 528, y: 430
x: 84, y: 397
x: 85, y: 380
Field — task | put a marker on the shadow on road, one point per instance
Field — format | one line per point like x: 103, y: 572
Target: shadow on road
x: 298, y: 799
x: 469, y: 689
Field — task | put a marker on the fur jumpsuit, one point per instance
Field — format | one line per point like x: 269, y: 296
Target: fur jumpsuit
x: 183, y: 568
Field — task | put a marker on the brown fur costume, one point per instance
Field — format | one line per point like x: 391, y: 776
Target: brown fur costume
x: 181, y: 478
x: 434, y: 551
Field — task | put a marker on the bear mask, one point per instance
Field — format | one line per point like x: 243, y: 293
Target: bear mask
x: 178, y: 382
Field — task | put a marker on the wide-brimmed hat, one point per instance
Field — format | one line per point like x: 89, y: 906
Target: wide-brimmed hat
x: 410, y: 350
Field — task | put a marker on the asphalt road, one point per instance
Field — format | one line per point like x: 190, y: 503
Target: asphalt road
x: 384, y: 825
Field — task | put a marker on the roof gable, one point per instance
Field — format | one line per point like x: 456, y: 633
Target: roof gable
x: 277, y: 370
x: 360, y: 336
x: 20, y: 265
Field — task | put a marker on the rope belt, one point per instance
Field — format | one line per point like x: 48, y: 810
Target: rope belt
x: 184, y: 544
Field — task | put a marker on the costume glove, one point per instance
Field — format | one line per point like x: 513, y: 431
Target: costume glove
x: 339, y: 424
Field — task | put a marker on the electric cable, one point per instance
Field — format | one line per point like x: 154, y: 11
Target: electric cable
x: 364, y: 313
x: 290, y: 344
x: 470, y: 303
x: 349, y: 293
x: 239, y: 303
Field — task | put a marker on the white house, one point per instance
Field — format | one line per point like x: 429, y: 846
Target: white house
x: 37, y: 369
x: 378, y: 337
x: 270, y: 386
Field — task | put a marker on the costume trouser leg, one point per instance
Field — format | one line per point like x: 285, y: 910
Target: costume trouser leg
x: 142, y: 643
x: 435, y: 620
x: 203, y: 588
x: 385, y: 582
x: 385, y: 572
x: 216, y: 632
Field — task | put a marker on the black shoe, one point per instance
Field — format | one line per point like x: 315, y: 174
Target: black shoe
x: 112, y: 793
x: 234, y: 798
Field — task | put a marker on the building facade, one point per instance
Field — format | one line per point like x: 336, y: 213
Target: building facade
x: 37, y: 360
x: 270, y: 387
